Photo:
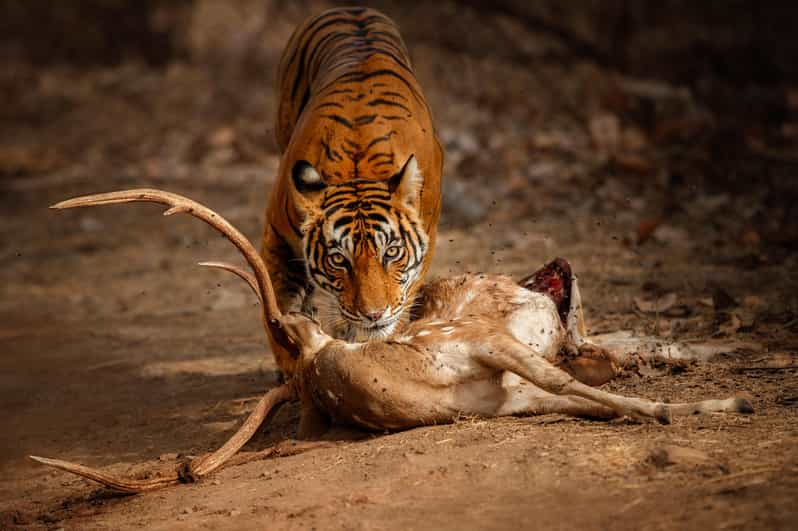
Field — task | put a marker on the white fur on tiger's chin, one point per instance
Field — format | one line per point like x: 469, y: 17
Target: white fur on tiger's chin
x: 373, y: 333
x: 326, y: 311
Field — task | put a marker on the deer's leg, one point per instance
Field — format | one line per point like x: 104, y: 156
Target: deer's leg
x: 508, y: 354
x: 526, y: 399
x: 312, y: 422
x: 505, y: 353
x: 587, y: 363
x: 728, y: 405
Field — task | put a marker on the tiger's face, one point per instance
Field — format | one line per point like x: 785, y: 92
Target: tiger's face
x: 364, y: 247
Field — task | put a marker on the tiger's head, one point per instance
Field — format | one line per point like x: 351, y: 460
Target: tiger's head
x: 364, y: 247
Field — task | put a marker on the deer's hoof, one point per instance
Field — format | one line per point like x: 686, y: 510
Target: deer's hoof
x: 662, y: 414
x: 743, y: 405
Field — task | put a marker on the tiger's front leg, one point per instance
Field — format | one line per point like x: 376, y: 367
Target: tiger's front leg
x: 288, y: 279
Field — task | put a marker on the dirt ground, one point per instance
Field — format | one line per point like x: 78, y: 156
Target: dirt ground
x: 118, y: 352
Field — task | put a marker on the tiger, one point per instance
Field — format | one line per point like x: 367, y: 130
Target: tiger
x: 352, y: 218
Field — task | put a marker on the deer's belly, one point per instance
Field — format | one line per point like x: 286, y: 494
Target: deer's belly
x: 395, y: 392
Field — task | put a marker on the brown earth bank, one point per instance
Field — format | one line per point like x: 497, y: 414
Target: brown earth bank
x: 118, y: 352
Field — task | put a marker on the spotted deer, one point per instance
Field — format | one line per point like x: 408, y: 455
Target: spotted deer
x: 480, y: 345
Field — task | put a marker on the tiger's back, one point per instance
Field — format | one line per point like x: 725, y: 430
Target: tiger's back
x: 351, y: 120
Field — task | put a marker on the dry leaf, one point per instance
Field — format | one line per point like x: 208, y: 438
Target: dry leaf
x: 632, y: 162
x: 750, y: 237
x: 646, y: 228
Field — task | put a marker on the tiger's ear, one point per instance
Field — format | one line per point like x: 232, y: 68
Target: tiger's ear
x: 308, y: 186
x: 406, y: 185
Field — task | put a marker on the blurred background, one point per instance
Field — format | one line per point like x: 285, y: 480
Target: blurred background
x: 653, y: 143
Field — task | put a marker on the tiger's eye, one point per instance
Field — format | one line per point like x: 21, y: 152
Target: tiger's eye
x: 336, y: 259
x: 393, y: 252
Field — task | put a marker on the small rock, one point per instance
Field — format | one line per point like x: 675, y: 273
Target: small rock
x: 747, y: 317
x: 706, y: 301
x: 234, y: 512
x: 655, y: 305
x: 222, y: 137
x: 167, y: 457
x: 731, y: 323
x: 668, y: 455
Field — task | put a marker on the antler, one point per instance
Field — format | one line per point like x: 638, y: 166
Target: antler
x: 260, y: 284
x: 198, y: 467
x: 179, y: 203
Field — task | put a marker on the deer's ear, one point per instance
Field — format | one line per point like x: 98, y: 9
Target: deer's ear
x: 406, y: 185
x: 308, y: 186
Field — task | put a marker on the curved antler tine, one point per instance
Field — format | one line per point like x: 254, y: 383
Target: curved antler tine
x: 201, y: 466
x: 204, y: 465
x: 247, y: 277
x: 128, y: 486
x: 179, y: 203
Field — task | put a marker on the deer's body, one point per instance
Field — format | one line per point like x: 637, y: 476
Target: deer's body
x: 442, y: 365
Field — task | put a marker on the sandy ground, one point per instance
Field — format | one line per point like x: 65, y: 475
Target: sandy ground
x: 118, y: 352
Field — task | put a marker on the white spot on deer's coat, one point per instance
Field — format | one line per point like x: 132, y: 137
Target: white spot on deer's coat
x: 422, y: 333
x: 469, y: 298
x: 447, y: 329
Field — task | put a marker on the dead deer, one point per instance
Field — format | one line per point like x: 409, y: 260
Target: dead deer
x: 481, y: 345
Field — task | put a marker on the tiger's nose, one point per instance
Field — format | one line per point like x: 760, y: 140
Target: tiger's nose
x: 375, y: 315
